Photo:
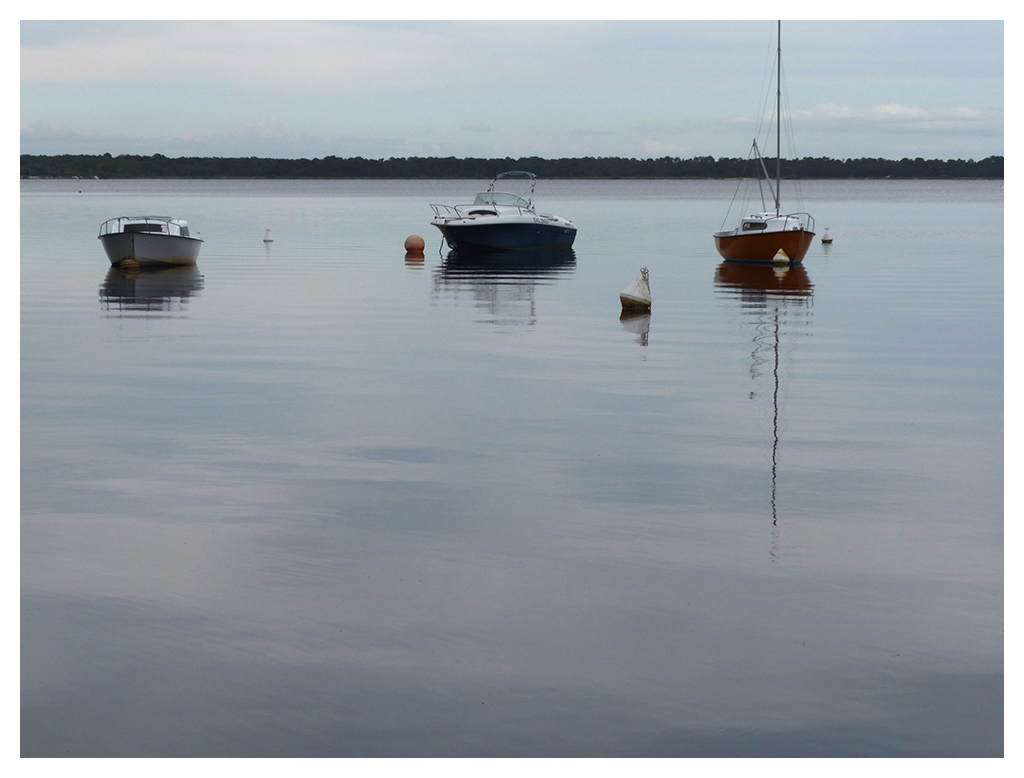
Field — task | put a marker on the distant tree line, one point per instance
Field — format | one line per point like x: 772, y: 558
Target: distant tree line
x: 159, y: 166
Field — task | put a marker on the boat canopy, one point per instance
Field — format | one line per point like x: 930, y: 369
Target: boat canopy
x: 490, y: 197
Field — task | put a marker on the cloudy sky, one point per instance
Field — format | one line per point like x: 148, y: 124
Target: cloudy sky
x: 378, y: 89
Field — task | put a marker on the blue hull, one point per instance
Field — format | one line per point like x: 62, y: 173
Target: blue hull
x: 505, y: 237
x: 511, y: 263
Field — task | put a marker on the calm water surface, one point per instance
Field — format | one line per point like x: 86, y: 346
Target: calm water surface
x: 315, y: 499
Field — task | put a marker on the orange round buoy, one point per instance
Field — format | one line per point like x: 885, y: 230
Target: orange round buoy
x: 414, y: 244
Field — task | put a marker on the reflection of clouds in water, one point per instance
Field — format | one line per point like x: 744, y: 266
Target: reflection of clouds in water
x: 330, y: 514
x: 177, y: 563
x: 478, y: 658
x: 163, y: 290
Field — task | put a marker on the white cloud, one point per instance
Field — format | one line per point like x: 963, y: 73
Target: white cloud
x: 65, y: 138
x: 302, y: 56
x: 892, y: 112
x: 659, y: 148
x: 470, y: 88
x: 891, y: 118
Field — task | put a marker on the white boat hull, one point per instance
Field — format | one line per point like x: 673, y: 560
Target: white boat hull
x: 151, y: 249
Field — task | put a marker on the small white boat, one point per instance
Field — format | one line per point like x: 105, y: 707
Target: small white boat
x: 149, y: 240
x: 501, y: 221
x: 637, y: 296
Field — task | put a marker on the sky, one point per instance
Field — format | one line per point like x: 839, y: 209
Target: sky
x: 495, y: 89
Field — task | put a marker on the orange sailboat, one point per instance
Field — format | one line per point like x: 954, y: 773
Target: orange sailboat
x: 769, y: 236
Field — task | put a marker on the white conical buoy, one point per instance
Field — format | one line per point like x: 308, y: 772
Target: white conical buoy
x: 268, y: 238
x: 637, y: 296
x: 827, y: 237
x: 781, y: 258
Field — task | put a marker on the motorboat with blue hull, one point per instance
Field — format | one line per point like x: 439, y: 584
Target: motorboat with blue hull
x: 149, y: 241
x: 502, y: 221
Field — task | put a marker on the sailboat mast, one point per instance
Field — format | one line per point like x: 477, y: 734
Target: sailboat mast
x: 778, y: 121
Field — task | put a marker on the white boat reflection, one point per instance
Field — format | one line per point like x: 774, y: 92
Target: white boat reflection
x: 503, y: 284
x: 149, y: 290
x: 777, y: 301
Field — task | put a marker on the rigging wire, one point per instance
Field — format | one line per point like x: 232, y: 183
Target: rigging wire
x: 790, y: 140
x: 773, y: 71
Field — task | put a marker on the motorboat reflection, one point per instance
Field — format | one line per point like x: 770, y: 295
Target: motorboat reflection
x: 777, y: 301
x: 149, y: 290
x: 503, y: 284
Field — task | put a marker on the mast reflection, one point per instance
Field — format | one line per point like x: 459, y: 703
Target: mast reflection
x: 777, y: 299
x: 149, y: 290
x: 503, y: 284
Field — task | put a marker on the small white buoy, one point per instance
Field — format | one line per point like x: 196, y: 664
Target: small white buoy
x: 268, y: 238
x: 780, y: 258
x: 827, y: 237
x: 637, y: 296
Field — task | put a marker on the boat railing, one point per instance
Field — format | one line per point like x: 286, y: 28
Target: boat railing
x: 139, y: 223
x: 437, y: 208
x: 447, y: 211
x: 802, y: 220
x: 474, y: 209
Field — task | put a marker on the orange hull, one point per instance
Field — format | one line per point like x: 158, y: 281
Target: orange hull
x: 763, y: 246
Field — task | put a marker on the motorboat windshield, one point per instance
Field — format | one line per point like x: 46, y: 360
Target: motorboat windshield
x: 525, y: 200
x: 150, y: 224
x: 501, y: 198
